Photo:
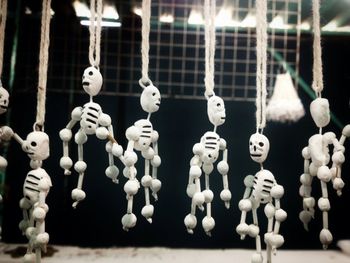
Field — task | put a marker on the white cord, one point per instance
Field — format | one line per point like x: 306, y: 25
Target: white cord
x: 43, y: 62
x: 95, y: 32
x: 3, y: 15
x: 317, y: 83
x: 146, y: 21
x: 209, y: 14
x: 261, y: 60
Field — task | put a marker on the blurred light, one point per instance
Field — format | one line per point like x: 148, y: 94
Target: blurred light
x: 224, y: 18
x: 195, y: 18
x: 137, y: 10
x: 278, y: 23
x: 166, y: 18
x: 81, y: 9
x: 103, y: 23
x: 110, y: 12
x: 304, y: 26
x: 248, y: 21
x: 27, y: 11
x: 331, y: 26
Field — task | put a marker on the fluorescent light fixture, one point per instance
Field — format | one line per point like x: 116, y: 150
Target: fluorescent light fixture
x: 110, y: 12
x: 103, y: 23
x: 223, y: 17
x: 81, y: 9
x: 278, y: 23
x: 137, y: 10
x: 304, y: 26
x: 195, y: 18
x: 166, y: 18
x: 249, y: 21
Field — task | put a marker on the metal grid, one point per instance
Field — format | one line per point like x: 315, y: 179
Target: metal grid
x: 176, y: 52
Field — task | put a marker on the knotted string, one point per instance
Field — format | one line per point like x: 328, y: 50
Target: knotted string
x: 146, y: 25
x: 317, y: 83
x: 95, y: 32
x: 3, y: 16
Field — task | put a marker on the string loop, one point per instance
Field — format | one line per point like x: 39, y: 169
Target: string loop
x: 317, y: 84
x: 3, y: 16
x: 95, y: 33
x: 146, y: 25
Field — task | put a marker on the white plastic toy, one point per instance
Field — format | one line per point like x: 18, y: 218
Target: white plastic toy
x: 5, y: 131
x: 262, y: 189
x: 92, y: 121
x: 35, y: 189
x: 206, y: 153
x: 142, y: 137
x: 317, y: 158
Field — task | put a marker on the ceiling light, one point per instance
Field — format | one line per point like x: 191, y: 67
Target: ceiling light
x: 166, y: 18
x: 103, y: 23
x: 195, y: 18
x: 248, y: 21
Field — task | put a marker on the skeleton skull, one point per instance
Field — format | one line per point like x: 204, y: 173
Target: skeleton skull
x: 150, y: 99
x: 37, y: 146
x: 216, y: 110
x: 320, y: 112
x: 92, y: 81
x: 4, y: 99
x: 259, y: 147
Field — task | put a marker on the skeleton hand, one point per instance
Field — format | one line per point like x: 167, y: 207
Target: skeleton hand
x: 6, y: 133
x: 274, y: 240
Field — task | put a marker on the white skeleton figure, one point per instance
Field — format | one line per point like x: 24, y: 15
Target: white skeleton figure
x: 142, y: 137
x: 316, y: 163
x: 206, y: 153
x: 92, y: 122
x: 262, y: 189
x: 5, y: 131
x: 35, y: 189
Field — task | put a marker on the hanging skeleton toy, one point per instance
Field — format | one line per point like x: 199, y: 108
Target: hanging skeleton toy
x: 318, y: 160
x: 261, y: 189
x: 207, y: 151
x: 142, y: 137
x: 5, y: 132
x: 35, y: 189
x: 90, y: 117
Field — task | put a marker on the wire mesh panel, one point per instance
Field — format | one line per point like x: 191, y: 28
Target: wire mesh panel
x: 177, y: 49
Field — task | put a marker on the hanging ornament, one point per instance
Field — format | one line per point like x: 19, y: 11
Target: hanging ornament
x: 284, y: 104
x: 261, y: 189
x: 142, y: 137
x: 318, y: 161
x: 207, y: 151
x: 90, y: 117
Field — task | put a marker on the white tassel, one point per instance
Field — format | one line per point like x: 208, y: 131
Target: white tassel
x: 284, y: 104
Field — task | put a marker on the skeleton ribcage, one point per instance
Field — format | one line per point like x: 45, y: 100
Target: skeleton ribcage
x: 89, y: 118
x: 31, y: 187
x: 262, y: 188
x: 211, y: 143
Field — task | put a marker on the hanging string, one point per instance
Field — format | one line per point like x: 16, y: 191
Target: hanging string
x: 3, y: 15
x: 43, y: 63
x: 261, y: 60
x: 317, y: 83
x: 95, y: 32
x: 209, y: 14
x: 146, y: 24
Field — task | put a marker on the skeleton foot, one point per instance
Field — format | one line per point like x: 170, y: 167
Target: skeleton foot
x: 190, y: 223
x: 147, y: 211
x: 77, y: 195
x: 112, y: 172
x: 208, y: 223
x: 305, y: 217
x: 242, y: 230
x: 326, y: 238
x: 257, y: 258
x: 128, y: 221
x: 29, y: 258
x: 23, y: 225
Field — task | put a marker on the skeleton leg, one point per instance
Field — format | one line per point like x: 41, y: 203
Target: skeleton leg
x: 25, y: 205
x: 208, y: 221
x: 254, y: 232
x: 146, y: 181
x: 80, y: 166
x: 155, y: 162
x: 223, y: 168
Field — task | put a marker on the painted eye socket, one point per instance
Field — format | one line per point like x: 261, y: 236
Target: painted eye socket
x: 250, y: 143
x: 153, y: 94
x: 33, y: 144
x: 261, y: 144
x: 91, y: 73
x: 218, y: 104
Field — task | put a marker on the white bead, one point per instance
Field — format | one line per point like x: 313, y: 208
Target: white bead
x: 133, y: 133
x: 80, y: 138
x: 324, y: 204
x: 131, y: 187
x: 39, y: 214
x: 257, y: 258
x: 195, y: 171
x: 43, y: 238
x: 309, y: 202
x: 207, y: 168
x: 326, y: 237
x: 104, y: 120
x: 269, y: 210
x: 156, y: 161
x: 324, y: 174
x: 305, y: 217
x: 338, y: 158
x: 76, y: 114
x: 223, y: 167
x: 302, y: 190
x: 190, y: 190
x: 245, y: 205
x: 198, y: 198
x: 66, y: 135
x: 190, y: 221
x: 117, y: 150
x: 249, y: 181
x: 129, y: 221
x: 222, y: 144
x: 208, y: 196
x: 280, y: 215
x: 306, y: 153
x: 24, y: 204
x: 147, y: 211
x: 155, y: 136
x: 198, y: 149
x: 253, y: 231
x: 208, y: 223
x: 146, y: 181
x: 306, y: 179
x: 130, y: 158
x: 338, y: 183
x: 30, y: 232
x: 102, y: 133
x: 44, y: 184
x: 242, y: 229
x: 80, y: 166
x: 29, y: 258
x: 274, y: 240
x: 277, y: 191
x: 156, y: 185
x: 225, y: 195
x: 346, y: 131
x: 328, y: 137
x: 66, y: 162
x: 78, y: 195
x: 148, y: 153
x: 112, y: 172
x: 313, y: 169
x: 108, y: 147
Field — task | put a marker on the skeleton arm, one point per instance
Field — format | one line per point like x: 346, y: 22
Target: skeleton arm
x: 305, y: 191
x: 6, y: 134
x: 66, y: 135
x: 245, y: 205
x: 155, y: 162
x: 223, y: 168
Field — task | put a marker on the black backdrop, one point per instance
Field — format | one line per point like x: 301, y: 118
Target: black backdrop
x: 180, y: 123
